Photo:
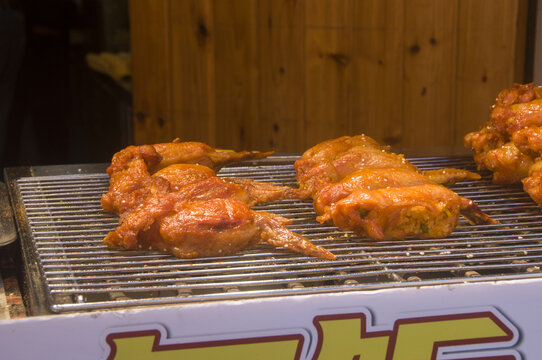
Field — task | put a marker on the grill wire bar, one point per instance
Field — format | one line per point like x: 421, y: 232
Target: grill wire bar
x: 67, y: 224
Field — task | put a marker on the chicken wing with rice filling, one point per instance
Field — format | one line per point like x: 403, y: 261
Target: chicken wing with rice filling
x: 423, y: 211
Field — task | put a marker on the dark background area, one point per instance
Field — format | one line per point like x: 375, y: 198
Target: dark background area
x: 62, y: 111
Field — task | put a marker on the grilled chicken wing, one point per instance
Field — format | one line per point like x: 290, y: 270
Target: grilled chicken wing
x: 375, y: 179
x: 363, y: 180
x: 186, y: 210
x: 422, y: 211
x: 215, y: 227
x: 192, y: 222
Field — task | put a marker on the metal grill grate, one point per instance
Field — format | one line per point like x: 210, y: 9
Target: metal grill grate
x: 67, y: 225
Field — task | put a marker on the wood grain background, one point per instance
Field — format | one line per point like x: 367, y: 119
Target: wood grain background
x: 286, y: 74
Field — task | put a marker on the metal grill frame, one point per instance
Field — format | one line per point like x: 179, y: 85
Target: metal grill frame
x: 511, y: 250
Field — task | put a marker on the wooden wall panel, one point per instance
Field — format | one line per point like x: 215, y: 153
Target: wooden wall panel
x: 151, y: 71
x: 282, y: 79
x: 377, y: 69
x: 192, y: 47
x: 286, y: 74
x: 236, y: 73
x: 429, y: 73
x: 328, y: 68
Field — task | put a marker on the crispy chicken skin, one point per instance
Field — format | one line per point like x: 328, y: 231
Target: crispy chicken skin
x: 197, y: 180
x: 129, y: 177
x: 344, y: 163
x: 519, y: 93
x: 336, y: 159
x: 327, y: 150
x: 315, y: 168
x: 373, y: 179
x: 398, y: 199
x: 179, y: 175
x: 529, y: 140
x: 127, y: 188
x: 360, y: 157
x: 482, y: 141
x: 245, y: 190
x: 508, y: 164
x: 365, y: 179
x: 177, y: 152
x: 201, y: 228
x: 159, y: 156
x: 514, y: 109
x: 121, y: 160
x: 179, y: 162
x: 355, y: 159
x: 512, y: 118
